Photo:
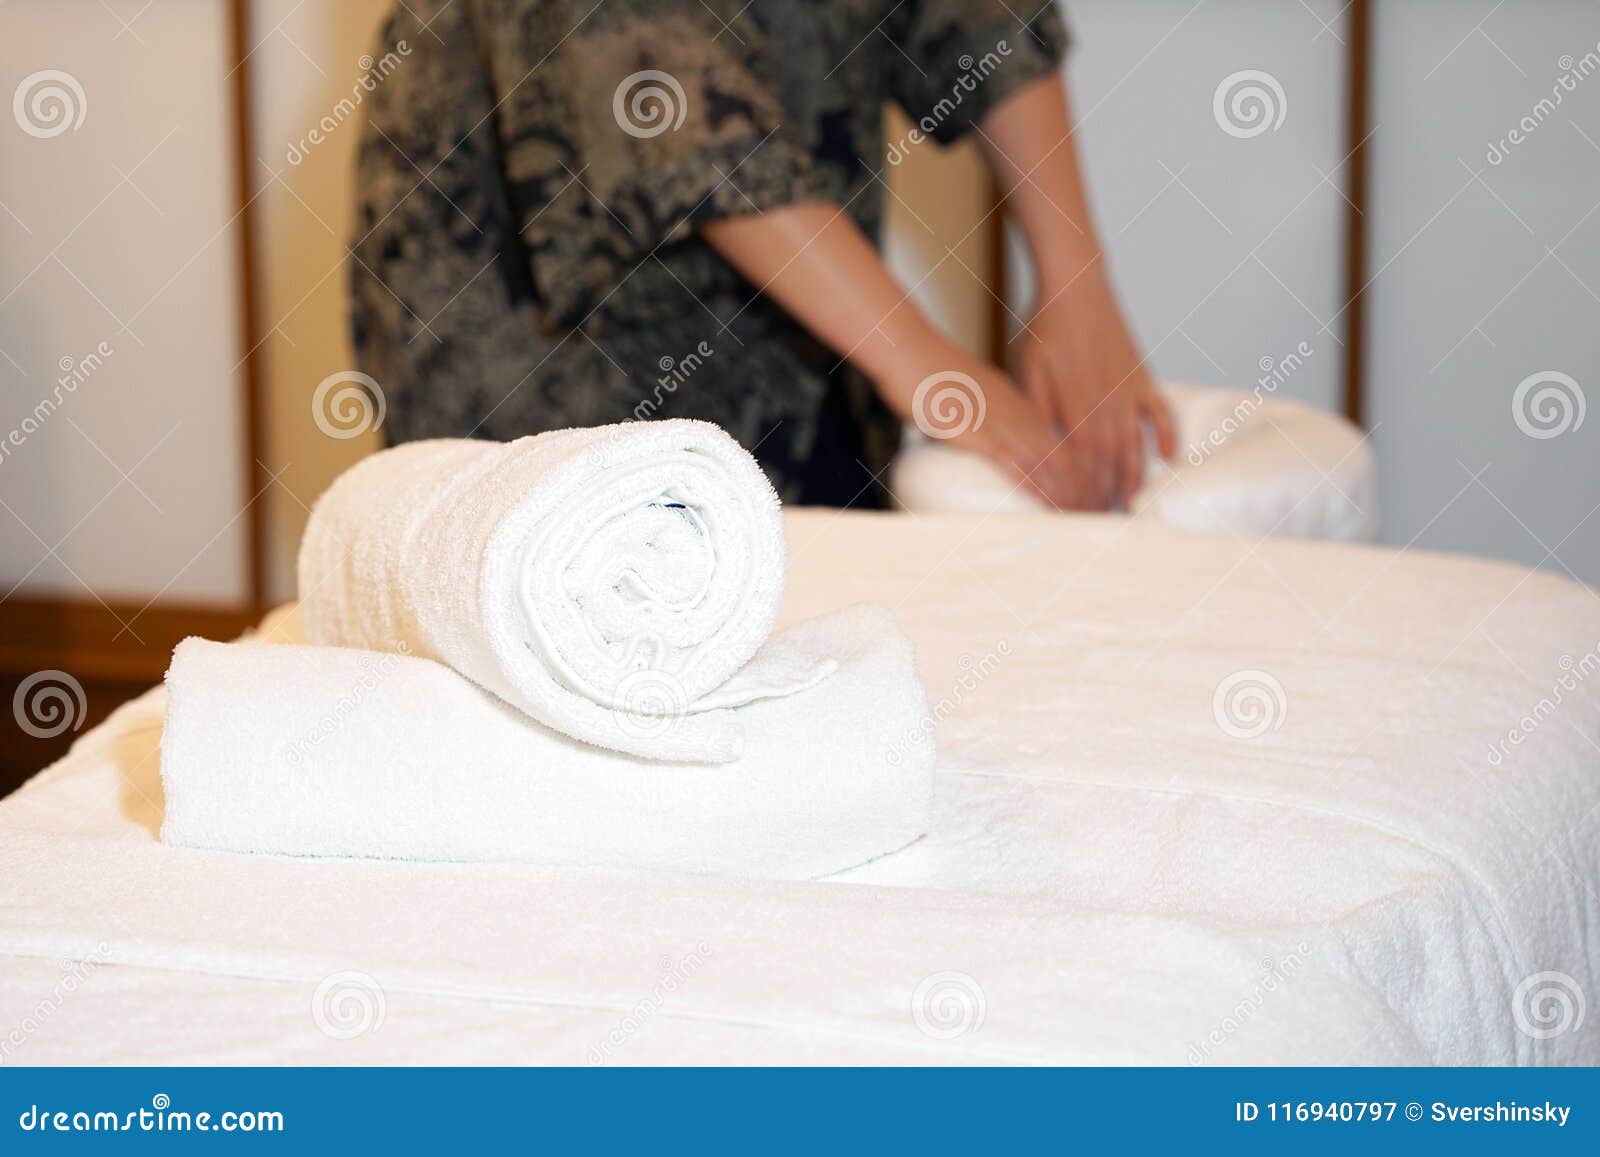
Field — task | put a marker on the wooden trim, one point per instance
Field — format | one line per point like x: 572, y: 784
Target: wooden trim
x: 88, y: 640
x: 256, y: 477
x: 1358, y: 85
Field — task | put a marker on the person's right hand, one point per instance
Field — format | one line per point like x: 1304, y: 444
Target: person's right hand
x: 972, y: 405
x: 815, y: 262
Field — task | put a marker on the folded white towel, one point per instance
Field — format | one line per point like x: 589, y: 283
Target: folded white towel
x: 324, y: 751
x: 599, y: 579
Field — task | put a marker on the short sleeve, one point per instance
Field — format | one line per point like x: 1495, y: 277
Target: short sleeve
x: 625, y: 125
x: 963, y: 58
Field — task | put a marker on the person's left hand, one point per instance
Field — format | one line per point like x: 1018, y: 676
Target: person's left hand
x: 1080, y: 366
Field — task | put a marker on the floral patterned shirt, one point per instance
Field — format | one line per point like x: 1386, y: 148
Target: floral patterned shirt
x: 532, y: 174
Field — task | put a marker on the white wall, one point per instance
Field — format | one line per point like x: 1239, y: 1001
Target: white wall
x: 1225, y: 250
x: 1486, y: 274
x: 117, y: 231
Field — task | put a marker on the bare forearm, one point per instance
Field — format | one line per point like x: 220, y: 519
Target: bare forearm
x: 1029, y: 146
x: 814, y: 262
x: 1078, y: 359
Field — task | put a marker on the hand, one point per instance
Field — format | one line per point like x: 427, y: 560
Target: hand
x: 813, y: 260
x: 956, y: 398
x: 1081, y: 368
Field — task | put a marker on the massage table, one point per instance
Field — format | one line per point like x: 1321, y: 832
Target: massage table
x: 1200, y: 800
x: 1248, y: 463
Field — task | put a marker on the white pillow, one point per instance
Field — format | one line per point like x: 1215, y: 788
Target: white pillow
x: 1248, y: 463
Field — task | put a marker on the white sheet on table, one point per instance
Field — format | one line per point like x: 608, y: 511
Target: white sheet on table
x: 1120, y: 878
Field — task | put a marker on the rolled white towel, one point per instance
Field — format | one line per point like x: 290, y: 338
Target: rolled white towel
x: 597, y: 579
x: 326, y: 751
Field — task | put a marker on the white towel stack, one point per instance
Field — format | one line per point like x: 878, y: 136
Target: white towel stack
x: 592, y: 578
x: 554, y: 650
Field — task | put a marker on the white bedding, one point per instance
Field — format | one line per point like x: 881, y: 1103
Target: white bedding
x: 1113, y: 876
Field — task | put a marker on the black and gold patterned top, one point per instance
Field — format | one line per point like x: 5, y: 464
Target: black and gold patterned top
x: 532, y: 173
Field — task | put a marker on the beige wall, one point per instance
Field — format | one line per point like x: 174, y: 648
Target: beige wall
x: 938, y: 234
x: 308, y: 60
x: 118, y: 277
